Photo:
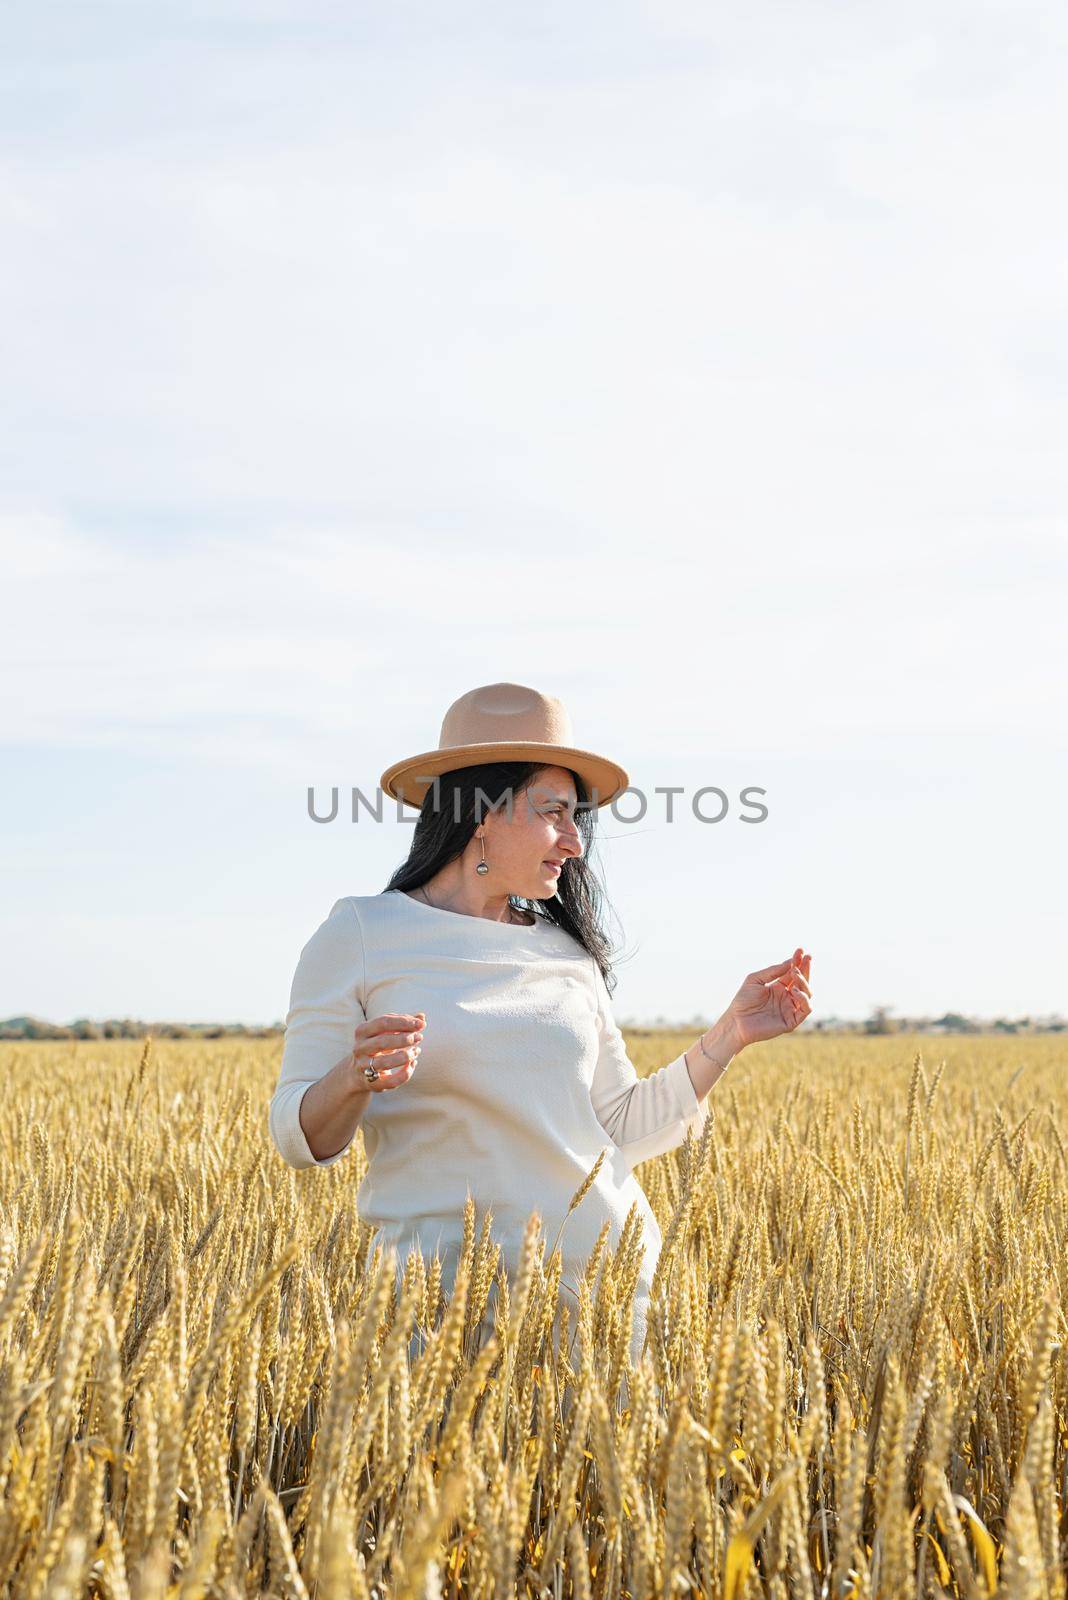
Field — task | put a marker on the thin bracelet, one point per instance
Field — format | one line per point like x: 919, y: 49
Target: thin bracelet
x: 722, y: 1065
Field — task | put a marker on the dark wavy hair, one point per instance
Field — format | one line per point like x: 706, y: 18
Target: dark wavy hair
x: 443, y: 830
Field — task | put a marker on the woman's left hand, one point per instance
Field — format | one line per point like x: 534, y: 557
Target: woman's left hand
x: 773, y: 1000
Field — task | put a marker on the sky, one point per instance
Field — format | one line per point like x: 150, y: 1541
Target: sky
x: 702, y: 366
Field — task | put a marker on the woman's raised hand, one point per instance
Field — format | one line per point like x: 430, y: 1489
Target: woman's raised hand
x: 391, y: 1043
x: 772, y: 1001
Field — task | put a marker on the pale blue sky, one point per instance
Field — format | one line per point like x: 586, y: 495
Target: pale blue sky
x: 703, y: 366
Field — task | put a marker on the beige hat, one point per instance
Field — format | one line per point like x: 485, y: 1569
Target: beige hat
x: 503, y: 722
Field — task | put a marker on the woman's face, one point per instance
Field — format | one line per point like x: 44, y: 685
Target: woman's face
x: 540, y: 830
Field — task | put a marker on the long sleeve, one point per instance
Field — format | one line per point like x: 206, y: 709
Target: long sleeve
x: 325, y: 1007
x: 644, y: 1116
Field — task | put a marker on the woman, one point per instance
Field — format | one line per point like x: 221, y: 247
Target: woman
x: 462, y: 1016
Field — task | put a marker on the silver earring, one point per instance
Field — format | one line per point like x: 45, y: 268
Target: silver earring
x: 482, y: 867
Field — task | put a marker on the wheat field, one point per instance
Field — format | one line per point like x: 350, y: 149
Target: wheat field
x: 854, y: 1382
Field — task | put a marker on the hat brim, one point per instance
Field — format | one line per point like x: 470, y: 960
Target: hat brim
x: 408, y: 780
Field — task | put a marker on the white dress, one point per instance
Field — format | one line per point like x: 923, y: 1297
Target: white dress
x: 522, y: 1080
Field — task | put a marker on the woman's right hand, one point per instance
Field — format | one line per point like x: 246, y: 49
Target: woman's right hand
x: 391, y: 1043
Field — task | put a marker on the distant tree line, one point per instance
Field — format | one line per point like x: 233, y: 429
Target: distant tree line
x: 132, y: 1028
x: 879, y: 1022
